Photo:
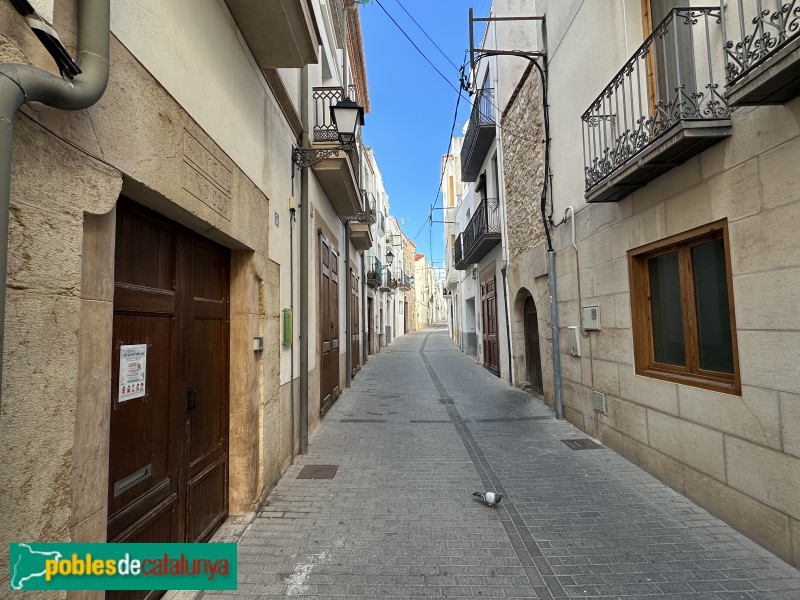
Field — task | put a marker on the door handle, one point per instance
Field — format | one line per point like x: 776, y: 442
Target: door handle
x: 191, y: 399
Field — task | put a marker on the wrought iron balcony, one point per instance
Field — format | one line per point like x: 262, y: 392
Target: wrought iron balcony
x: 404, y: 282
x: 458, y: 251
x: 480, y: 135
x: 336, y: 174
x: 664, y: 106
x: 762, y: 47
x: 480, y: 236
x: 381, y: 222
x: 374, y: 272
x: 360, y: 232
x: 389, y: 282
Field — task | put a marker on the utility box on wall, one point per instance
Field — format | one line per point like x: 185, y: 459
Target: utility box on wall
x: 574, y: 340
x: 591, y: 318
x: 286, y: 320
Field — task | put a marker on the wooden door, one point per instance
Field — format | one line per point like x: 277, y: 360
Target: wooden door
x: 491, y: 349
x: 533, y: 359
x: 328, y: 323
x: 355, y: 330
x: 168, y: 455
x: 370, y: 325
x: 670, y: 64
x: 207, y: 392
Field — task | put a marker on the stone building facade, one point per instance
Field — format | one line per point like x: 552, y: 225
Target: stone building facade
x: 122, y: 216
x: 523, y: 168
x: 727, y: 436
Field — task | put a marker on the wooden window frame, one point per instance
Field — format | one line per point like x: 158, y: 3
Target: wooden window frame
x: 641, y: 319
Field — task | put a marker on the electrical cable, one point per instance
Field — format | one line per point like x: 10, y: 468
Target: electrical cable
x: 426, y: 35
x: 443, y: 76
x: 441, y: 177
x: 408, y: 37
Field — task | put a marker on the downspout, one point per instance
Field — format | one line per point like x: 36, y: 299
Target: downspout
x: 551, y: 284
x: 508, y: 328
x: 305, y: 215
x: 292, y: 214
x: 20, y: 84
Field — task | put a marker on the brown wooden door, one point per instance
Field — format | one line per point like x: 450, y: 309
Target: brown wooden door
x: 491, y: 349
x: 670, y: 62
x: 355, y: 330
x: 533, y: 359
x: 328, y: 323
x: 370, y: 326
x: 168, y: 456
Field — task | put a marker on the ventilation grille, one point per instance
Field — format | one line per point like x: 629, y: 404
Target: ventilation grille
x: 599, y: 402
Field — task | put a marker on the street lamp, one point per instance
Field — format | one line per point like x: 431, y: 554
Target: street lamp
x: 389, y: 258
x: 347, y: 116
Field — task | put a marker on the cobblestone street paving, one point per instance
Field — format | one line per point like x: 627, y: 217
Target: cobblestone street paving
x: 422, y: 428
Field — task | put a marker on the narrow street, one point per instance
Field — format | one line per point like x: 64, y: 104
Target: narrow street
x: 421, y: 429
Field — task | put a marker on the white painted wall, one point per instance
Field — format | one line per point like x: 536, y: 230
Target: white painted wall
x: 193, y: 49
x: 582, y: 56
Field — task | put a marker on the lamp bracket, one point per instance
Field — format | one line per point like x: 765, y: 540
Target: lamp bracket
x: 306, y: 157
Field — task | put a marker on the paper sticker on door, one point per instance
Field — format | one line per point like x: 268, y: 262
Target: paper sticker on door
x: 132, y: 371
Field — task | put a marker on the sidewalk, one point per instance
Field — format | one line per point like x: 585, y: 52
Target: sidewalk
x: 422, y: 428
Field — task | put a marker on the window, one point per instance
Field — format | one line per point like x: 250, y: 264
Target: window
x: 684, y: 329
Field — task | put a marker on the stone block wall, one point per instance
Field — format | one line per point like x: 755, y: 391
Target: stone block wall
x: 523, y: 173
x: 739, y: 456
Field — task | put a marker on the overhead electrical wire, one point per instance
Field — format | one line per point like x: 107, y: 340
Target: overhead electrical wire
x: 447, y: 58
x: 444, y: 77
x: 408, y: 37
x: 429, y: 220
x: 464, y: 86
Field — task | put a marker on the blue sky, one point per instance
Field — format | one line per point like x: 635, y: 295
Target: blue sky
x: 411, y: 104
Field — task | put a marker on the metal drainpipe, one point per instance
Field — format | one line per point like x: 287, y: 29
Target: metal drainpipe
x: 292, y: 215
x: 305, y: 217
x: 20, y: 84
x: 508, y: 328
x: 551, y: 283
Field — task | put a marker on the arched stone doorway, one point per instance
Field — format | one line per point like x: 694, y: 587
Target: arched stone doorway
x: 525, y: 330
x: 533, y: 357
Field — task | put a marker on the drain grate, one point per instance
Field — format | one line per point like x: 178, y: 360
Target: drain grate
x: 582, y: 444
x: 446, y: 401
x: 318, y: 472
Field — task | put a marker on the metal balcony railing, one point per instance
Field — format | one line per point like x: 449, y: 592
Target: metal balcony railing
x: 381, y: 221
x: 758, y: 35
x: 481, y: 234
x: 672, y: 79
x: 324, y: 131
x: 458, y: 251
x: 481, y: 132
x: 374, y: 272
x: 404, y: 282
x: 389, y: 282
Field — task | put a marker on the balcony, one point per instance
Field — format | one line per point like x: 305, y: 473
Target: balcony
x: 337, y: 174
x: 389, y: 282
x: 374, y: 272
x: 480, y: 135
x: 663, y: 107
x: 458, y: 252
x: 480, y: 236
x: 279, y: 33
x: 404, y: 282
x: 360, y: 231
x: 762, y: 49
